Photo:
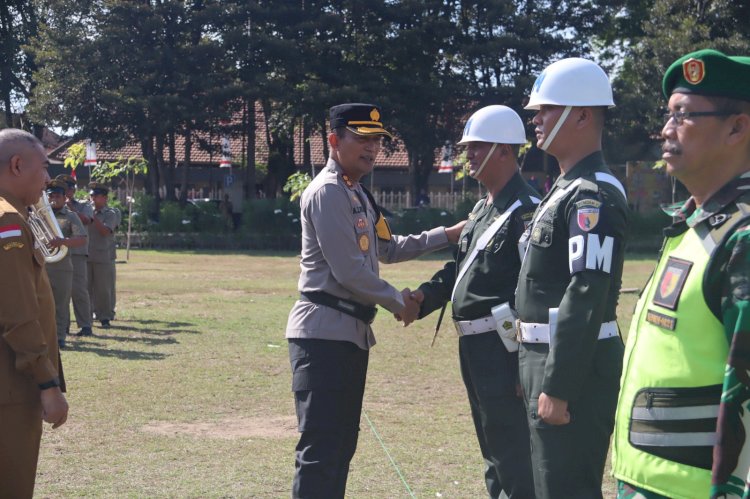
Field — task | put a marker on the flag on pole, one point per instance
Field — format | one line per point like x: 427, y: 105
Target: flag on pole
x: 90, y: 154
x: 446, y: 163
x: 226, y: 153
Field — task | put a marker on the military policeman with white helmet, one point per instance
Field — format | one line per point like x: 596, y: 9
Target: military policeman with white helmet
x: 571, y: 352
x: 481, y: 283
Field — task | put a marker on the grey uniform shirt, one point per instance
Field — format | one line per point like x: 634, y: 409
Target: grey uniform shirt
x: 102, y: 248
x: 340, y: 254
x: 87, y: 210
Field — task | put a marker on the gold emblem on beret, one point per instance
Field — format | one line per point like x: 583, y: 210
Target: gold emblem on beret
x: 694, y: 70
x: 364, y: 242
x: 374, y: 114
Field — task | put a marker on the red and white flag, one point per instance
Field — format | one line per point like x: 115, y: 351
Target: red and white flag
x: 10, y: 231
x: 90, y: 154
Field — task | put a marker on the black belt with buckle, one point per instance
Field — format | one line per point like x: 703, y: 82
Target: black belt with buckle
x: 348, y: 307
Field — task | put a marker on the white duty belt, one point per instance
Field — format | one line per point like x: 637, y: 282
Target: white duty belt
x: 532, y: 332
x: 477, y: 326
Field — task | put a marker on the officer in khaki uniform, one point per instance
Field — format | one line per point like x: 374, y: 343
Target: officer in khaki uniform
x: 329, y: 333
x: 79, y: 257
x: 31, y: 383
x: 101, y: 262
x: 481, y: 284
x: 61, y: 272
x: 571, y: 352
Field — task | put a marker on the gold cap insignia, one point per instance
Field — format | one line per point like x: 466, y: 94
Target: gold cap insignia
x: 694, y: 70
x: 374, y: 115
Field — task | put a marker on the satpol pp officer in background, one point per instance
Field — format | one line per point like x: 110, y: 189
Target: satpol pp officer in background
x: 481, y: 283
x: 571, y: 353
x: 101, y: 262
x: 79, y: 257
x: 31, y: 384
x: 682, y: 417
x: 61, y: 272
x: 343, y: 238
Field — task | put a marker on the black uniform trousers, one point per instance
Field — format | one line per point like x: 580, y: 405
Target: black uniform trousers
x: 490, y: 374
x: 328, y: 380
x: 568, y: 460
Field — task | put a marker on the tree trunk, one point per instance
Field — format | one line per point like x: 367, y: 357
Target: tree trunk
x: 152, y: 187
x: 324, y: 136
x: 170, y: 168
x: 159, y: 154
x: 186, y: 165
x: 250, y: 177
x: 306, y: 153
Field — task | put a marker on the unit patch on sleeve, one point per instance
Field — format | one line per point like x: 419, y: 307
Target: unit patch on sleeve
x: 364, y: 242
x: 587, y: 214
x: 671, y: 282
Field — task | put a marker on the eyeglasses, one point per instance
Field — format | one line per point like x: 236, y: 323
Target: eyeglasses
x: 679, y: 117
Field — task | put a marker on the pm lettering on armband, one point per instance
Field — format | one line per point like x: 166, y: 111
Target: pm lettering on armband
x: 590, y: 252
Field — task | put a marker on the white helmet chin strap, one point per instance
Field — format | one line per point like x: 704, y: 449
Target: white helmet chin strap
x: 554, y: 131
x: 486, y: 158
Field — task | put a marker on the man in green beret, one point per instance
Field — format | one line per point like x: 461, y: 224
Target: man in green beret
x: 79, y: 257
x: 683, y: 408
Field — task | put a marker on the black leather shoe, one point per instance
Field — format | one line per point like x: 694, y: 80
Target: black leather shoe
x: 105, y: 324
x: 85, y: 331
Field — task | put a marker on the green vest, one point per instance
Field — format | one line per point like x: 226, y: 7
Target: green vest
x: 665, y: 426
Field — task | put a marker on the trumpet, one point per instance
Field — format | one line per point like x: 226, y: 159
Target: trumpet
x: 45, y: 228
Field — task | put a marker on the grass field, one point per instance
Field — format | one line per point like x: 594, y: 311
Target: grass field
x: 188, y: 394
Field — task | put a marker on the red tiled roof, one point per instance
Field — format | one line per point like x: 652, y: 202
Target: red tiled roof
x: 397, y: 160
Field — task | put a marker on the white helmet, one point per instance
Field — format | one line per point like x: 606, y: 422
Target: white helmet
x: 571, y: 82
x: 495, y: 124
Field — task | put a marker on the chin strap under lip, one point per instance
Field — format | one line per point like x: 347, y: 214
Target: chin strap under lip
x: 554, y: 131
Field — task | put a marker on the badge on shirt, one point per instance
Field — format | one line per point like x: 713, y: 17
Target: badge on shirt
x: 588, y: 214
x: 671, y: 282
x: 348, y: 181
x: 364, y: 242
x: 661, y: 320
x: 361, y: 223
x: 13, y: 245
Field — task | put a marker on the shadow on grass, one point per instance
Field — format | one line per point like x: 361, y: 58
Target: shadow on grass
x: 94, y: 347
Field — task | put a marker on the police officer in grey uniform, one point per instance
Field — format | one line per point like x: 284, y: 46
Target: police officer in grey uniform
x: 60, y: 273
x: 481, y: 284
x: 343, y: 238
x: 79, y: 257
x: 101, y: 262
x: 571, y: 352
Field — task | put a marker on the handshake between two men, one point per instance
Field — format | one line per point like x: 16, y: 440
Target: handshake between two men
x: 412, y: 302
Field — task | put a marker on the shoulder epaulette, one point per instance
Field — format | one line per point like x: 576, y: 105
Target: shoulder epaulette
x: 6, y: 207
x: 589, y: 186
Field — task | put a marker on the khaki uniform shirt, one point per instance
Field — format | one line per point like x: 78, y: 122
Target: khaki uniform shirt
x: 87, y: 210
x: 102, y: 248
x: 71, y: 226
x: 28, y: 335
x: 340, y: 254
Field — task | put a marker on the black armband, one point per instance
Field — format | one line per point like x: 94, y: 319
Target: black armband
x: 54, y: 382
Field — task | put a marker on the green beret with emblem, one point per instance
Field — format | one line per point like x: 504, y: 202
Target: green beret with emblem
x: 57, y: 186
x: 711, y: 73
x: 68, y: 179
x: 98, y: 188
x: 358, y: 118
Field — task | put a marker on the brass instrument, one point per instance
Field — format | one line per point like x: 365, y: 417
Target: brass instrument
x: 45, y: 228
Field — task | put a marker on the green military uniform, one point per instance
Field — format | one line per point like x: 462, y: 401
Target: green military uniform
x: 684, y: 406
x: 101, y: 262
x: 61, y: 273
x: 488, y: 368
x: 566, y: 301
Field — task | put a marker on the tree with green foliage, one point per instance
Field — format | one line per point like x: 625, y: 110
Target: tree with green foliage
x: 661, y: 31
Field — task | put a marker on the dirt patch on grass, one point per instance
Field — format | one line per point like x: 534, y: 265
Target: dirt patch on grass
x: 232, y: 428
